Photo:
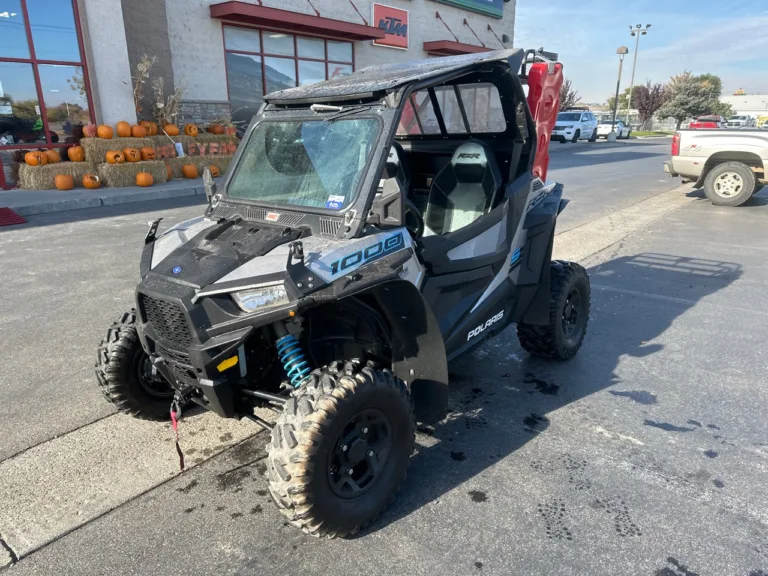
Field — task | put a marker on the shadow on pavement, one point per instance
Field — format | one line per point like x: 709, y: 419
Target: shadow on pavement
x: 759, y: 198
x: 500, y: 395
x: 598, y: 156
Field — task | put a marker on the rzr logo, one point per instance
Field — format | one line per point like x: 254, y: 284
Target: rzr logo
x: 468, y: 155
x: 373, y: 252
x: 480, y: 329
x: 395, y: 26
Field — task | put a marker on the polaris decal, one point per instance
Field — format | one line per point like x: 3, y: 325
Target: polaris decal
x: 369, y: 254
x: 480, y: 329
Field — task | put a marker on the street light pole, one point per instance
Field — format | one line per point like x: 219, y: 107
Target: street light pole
x: 622, y: 51
x: 638, y: 31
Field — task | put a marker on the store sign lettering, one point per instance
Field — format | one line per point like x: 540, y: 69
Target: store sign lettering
x: 394, y: 22
x: 493, y: 8
x: 197, y: 149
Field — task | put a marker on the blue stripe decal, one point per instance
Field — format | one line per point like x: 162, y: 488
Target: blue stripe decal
x: 516, y: 255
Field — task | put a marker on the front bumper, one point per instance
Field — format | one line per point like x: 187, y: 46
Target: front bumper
x: 562, y: 134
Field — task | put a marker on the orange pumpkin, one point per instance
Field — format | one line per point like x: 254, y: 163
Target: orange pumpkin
x: 215, y: 129
x: 230, y: 130
x: 131, y: 154
x: 169, y: 171
x: 171, y: 129
x: 150, y: 127
x: 190, y: 130
x: 214, y: 170
x: 115, y: 157
x: 76, y: 154
x: 53, y: 156
x: 144, y: 179
x: 123, y: 129
x: 91, y: 181
x: 147, y: 153
x: 65, y: 182
x: 90, y: 131
x: 36, y: 158
x: 138, y: 131
x: 104, y: 131
x: 190, y: 171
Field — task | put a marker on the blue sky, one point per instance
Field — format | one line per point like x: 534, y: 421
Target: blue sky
x: 729, y: 39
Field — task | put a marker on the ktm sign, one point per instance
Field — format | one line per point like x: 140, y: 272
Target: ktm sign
x: 394, y: 22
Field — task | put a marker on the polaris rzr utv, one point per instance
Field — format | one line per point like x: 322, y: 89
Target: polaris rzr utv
x: 370, y: 229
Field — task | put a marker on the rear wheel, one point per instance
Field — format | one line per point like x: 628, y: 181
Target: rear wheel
x: 730, y: 184
x: 576, y: 137
x: 125, y: 374
x: 340, y: 449
x: 569, y: 304
x: 593, y: 138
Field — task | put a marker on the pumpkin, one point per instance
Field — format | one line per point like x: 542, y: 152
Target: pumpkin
x: 190, y: 130
x: 36, y: 158
x: 150, y: 127
x: 171, y: 129
x: 189, y: 171
x: 230, y: 130
x: 115, y: 157
x: 169, y: 171
x: 215, y: 129
x: 90, y: 131
x: 64, y: 182
x: 91, y: 181
x: 131, y: 154
x: 147, y: 153
x: 53, y: 156
x: 123, y: 129
x: 76, y: 154
x: 214, y: 170
x: 144, y: 179
x: 104, y: 131
x: 138, y: 131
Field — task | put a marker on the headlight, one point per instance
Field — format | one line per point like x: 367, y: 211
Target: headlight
x: 261, y: 298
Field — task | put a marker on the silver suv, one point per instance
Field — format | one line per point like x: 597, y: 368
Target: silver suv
x: 575, y: 124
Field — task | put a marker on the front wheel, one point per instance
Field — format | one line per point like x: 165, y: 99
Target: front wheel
x: 593, y: 138
x: 730, y: 184
x: 576, y: 137
x: 569, y: 304
x: 340, y: 449
x: 125, y: 375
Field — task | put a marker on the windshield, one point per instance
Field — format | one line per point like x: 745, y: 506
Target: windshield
x: 569, y: 116
x: 609, y: 122
x: 311, y: 163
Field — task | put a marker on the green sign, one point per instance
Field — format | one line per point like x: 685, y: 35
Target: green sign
x: 493, y: 8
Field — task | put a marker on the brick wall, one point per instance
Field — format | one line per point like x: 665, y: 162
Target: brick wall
x: 202, y: 112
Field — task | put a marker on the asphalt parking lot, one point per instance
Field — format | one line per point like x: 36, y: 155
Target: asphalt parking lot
x: 647, y: 454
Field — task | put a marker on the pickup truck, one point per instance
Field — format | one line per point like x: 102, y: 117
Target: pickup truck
x: 730, y: 165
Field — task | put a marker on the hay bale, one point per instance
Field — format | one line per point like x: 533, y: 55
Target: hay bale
x: 222, y: 162
x: 96, y: 148
x: 44, y: 177
x: 121, y: 175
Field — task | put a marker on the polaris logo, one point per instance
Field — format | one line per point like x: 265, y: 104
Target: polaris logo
x: 480, y: 329
x: 395, y: 26
x: 468, y: 155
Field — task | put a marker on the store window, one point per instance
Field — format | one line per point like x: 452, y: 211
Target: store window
x: 262, y: 61
x: 44, y: 94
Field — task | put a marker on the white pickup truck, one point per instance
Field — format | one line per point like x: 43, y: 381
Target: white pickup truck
x: 730, y: 165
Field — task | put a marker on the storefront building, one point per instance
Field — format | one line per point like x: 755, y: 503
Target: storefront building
x: 64, y: 63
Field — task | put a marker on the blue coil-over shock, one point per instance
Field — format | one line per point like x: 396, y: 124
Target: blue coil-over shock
x: 292, y: 357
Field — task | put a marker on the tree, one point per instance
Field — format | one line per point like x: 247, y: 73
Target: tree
x: 568, y: 96
x: 722, y: 109
x: 623, y: 101
x: 690, y: 96
x: 648, y: 99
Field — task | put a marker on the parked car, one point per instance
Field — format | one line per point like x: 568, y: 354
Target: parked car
x: 764, y: 125
x: 707, y: 122
x: 606, y: 126
x: 575, y: 124
x: 740, y: 122
x: 729, y: 164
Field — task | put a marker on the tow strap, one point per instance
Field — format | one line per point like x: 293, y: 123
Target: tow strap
x: 175, y: 415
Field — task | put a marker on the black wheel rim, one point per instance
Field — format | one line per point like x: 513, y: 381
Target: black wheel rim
x: 572, y: 315
x: 153, y: 384
x: 360, y: 453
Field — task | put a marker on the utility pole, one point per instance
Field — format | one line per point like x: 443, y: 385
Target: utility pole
x: 637, y: 31
x: 622, y: 51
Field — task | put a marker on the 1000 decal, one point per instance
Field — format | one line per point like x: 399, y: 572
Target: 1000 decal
x: 368, y: 254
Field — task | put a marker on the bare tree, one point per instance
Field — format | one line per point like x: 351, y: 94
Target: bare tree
x: 648, y: 99
x: 568, y: 96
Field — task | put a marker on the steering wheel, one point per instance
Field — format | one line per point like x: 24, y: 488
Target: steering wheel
x: 413, y: 220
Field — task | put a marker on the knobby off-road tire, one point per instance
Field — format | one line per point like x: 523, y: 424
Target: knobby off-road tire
x: 730, y: 184
x: 569, y: 303
x: 316, y: 424
x: 125, y: 377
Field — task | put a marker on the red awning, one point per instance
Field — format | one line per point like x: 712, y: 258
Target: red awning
x: 449, y: 48
x: 295, y: 22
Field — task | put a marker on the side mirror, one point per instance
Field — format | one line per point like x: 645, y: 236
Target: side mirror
x: 210, y: 185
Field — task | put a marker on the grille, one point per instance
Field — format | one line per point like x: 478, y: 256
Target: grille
x: 290, y: 219
x: 185, y: 375
x: 168, y: 320
x: 173, y: 355
x: 255, y: 213
x: 559, y: 128
x: 329, y: 227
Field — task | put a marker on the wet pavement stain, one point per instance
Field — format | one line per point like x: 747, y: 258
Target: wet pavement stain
x: 188, y: 488
x: 189, y: 510
x: 695, y: 423
x: 236, y: 515
x: 710, y: 454
x: 713, y: 427
x: 542, y: 386
x: 639, y: 396
x: 428, y: 430
x: 262, y: 492
x: 622, y: 521
x: 220, y: 508
x: 261, y: 468
x: 247, y: 452
x: 479, y: 565
x: 458, y: 456
x: 478, y: 496
x: 666, y: 426
x: 701, y: 475
x: 553, y: 512
x: 258, y: 509
x: 225, y: 437
x: 674, y: 568
x: 718, y: 483
x: 233, y: 479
